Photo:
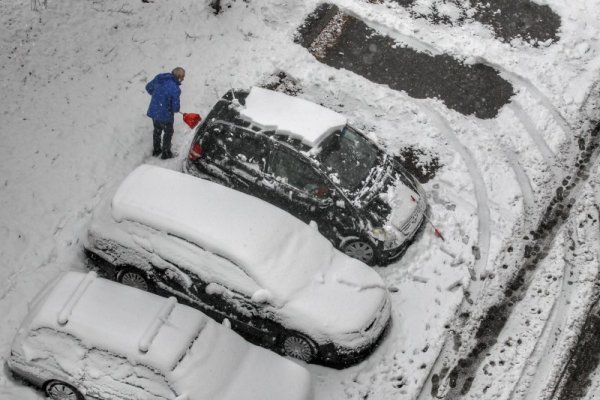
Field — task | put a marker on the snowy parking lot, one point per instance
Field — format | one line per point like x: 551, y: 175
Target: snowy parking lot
x: 492, y: 308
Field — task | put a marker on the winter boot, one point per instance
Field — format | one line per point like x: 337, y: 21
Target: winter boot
x: 166, y: 155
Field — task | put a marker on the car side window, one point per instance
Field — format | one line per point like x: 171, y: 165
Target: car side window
x: 207, y: 266
x: 212, y: 141
x: 246, y: 147
x: 115, y: 373
x: 295, y: 172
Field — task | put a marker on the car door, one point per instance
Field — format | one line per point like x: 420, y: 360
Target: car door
x: 298, y: 187
x: 54, y: 355
x: 213, y: 284
x: 237, y: 154
x: 215, y: 160
x: 253, y: 318
x: 247, y: 153
x: 114, y: 377
x: 231, y: 299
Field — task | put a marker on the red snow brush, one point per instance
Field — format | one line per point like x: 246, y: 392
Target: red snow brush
x: 191, y: 119
x: 436, y: 231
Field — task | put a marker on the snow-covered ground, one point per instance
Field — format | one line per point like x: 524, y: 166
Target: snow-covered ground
x: 73, y: 123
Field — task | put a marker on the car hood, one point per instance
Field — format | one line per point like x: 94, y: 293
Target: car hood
x: 390, y: 196
x: 344, y: 299
x: 222, y: 365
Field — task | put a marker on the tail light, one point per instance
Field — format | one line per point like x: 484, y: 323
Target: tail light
x: 196, y: 151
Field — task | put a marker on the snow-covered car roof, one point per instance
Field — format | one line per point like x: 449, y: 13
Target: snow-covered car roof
x: 146, y: 328
x: 280, y: 252
x: 292, y: 116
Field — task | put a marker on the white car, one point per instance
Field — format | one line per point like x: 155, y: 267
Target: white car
x: 277, y: 280
x: 87, y: 337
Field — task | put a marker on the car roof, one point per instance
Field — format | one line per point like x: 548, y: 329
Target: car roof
x: 277, y: 250
x: 143, y: 327
x: 290, y: 116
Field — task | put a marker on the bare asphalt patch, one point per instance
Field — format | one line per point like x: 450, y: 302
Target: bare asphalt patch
x: 342, y: 41
x: 509, y: 19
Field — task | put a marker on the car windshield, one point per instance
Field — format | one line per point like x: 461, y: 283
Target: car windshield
x: 348, y: 156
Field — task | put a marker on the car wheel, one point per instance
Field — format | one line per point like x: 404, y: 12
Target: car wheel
x: 297, y: 346
x: 360, y: 250
x: 58, y: 390
x: 134, y: 278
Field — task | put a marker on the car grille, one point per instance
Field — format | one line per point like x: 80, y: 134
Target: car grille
x: 415, y: 217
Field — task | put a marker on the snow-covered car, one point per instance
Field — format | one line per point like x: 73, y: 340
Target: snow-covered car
x: 278, y: 281
x: 88, y: 337
x: 307, y: 160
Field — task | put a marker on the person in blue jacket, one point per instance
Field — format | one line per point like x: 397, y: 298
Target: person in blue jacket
x: 165, y: 92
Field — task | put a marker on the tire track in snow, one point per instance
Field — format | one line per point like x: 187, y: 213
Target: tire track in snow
x: 456, y: 384
x: 522, y: 389
x: 447, y: 351
x: 542, y: 98
x: 478, y: 287
x: 540, y: 142
x: 557, y: 166
x: 524, y: 184
x: 479, y: 187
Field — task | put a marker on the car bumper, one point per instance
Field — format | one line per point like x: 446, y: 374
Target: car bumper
x: 391, y: 255
x: 99, y: 264
x: 341, y: 356
x: 24, y: 374
x: 335, y: 356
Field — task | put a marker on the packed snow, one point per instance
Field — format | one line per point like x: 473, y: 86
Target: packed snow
x: 74, y: 125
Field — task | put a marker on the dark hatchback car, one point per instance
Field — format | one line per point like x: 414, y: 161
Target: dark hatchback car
x: 307, y: 160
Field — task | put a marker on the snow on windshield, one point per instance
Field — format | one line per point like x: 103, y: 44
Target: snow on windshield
x: 291, y: 116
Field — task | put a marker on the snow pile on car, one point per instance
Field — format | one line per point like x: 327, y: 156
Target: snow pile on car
x: 79, y: 317
x: 295, y: 268
x: 130, y: 312
x: 291, y: 116
x: 277, y: 250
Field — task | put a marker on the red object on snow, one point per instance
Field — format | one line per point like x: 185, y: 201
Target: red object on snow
x: 436, y: 231
x: 191, y: 119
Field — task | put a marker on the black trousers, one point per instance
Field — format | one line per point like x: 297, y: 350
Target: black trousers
x: 159, y: 128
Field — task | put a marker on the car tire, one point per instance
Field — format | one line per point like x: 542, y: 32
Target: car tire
x: 361, y: 250
x: 59, y: 390
x: 298, y: 346
x: 135, y: 278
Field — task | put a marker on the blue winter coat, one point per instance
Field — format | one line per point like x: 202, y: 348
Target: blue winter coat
x: 165, y: 92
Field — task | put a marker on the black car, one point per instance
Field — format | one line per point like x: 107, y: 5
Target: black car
x: 307, y: 160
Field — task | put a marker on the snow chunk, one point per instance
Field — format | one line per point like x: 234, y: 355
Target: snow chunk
x: 291, y: 116
x: 262, y: 296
